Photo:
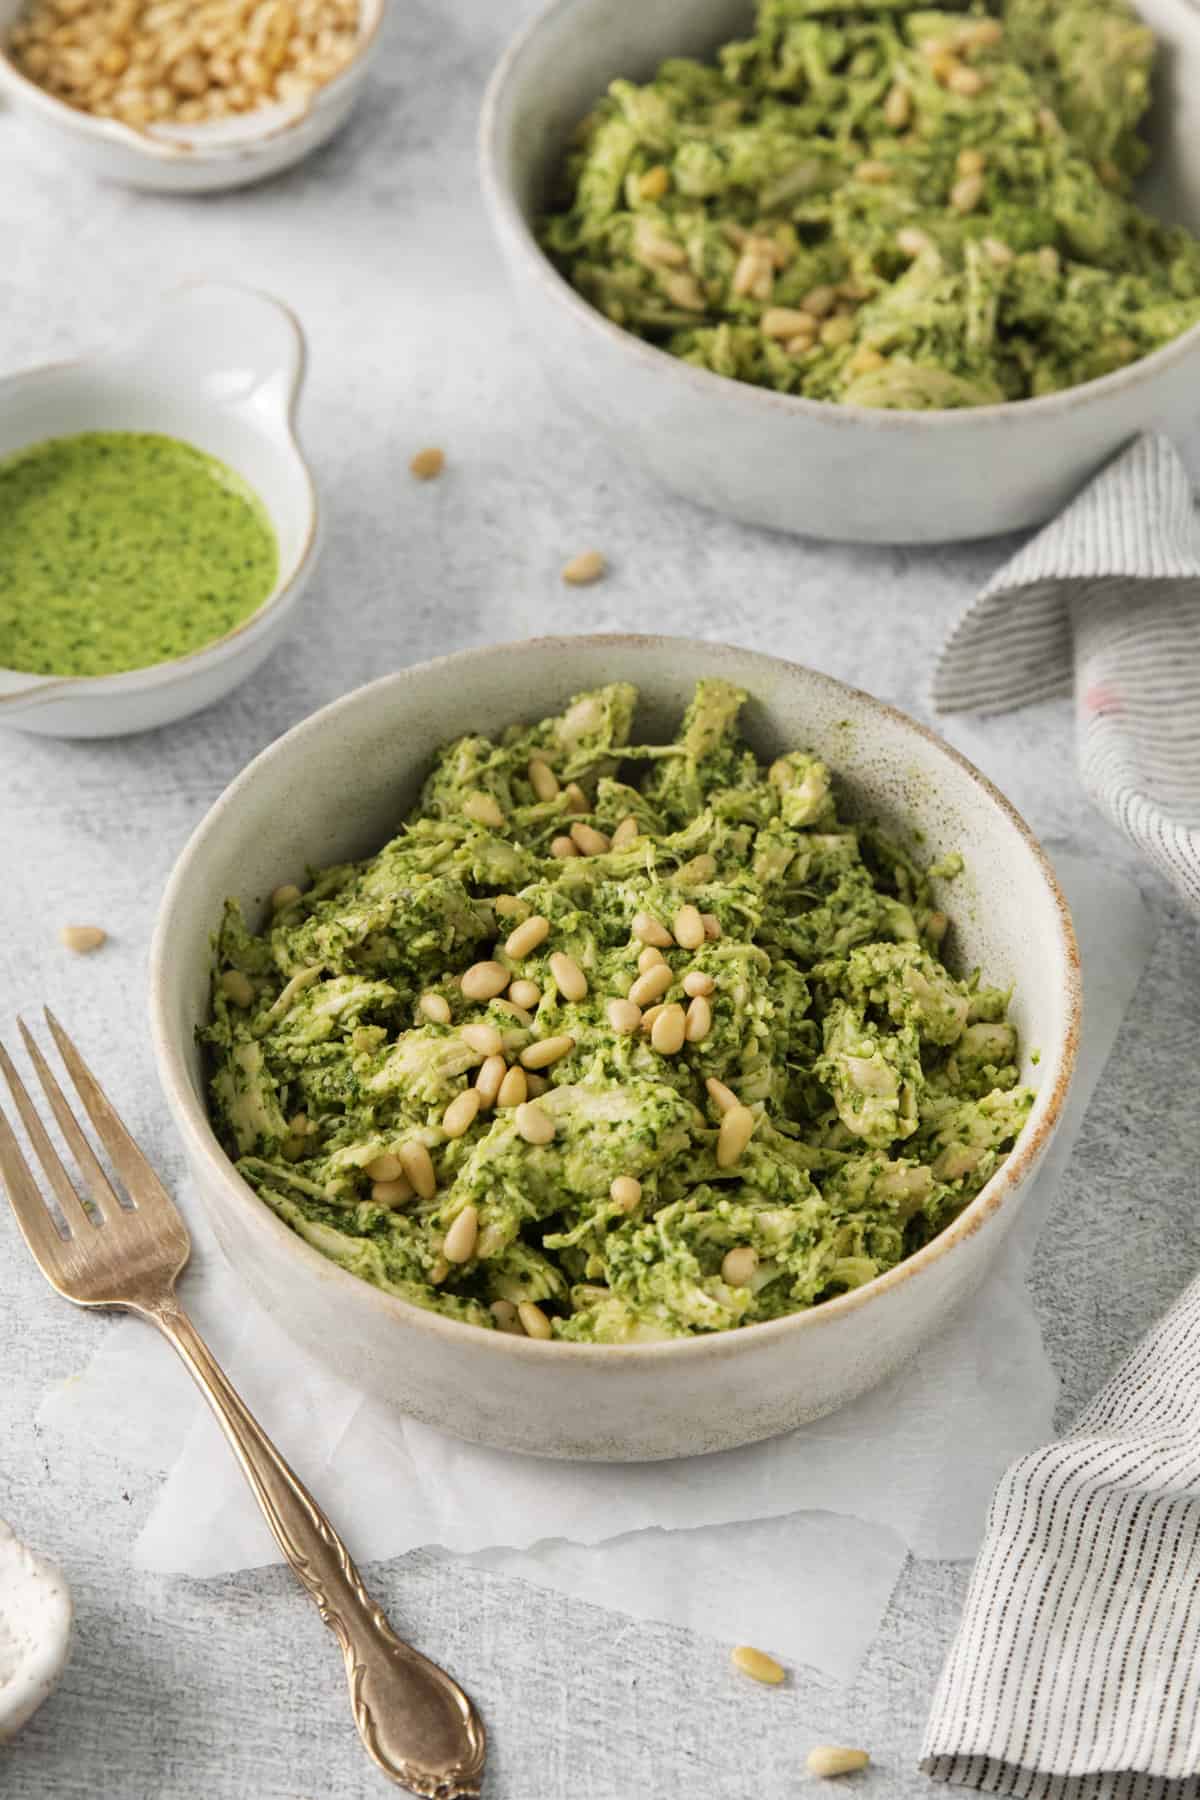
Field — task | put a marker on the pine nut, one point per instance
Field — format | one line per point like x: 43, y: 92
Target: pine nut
x: 650, y: 958
x: 654, y: 183
x: 722, y: 1097
x: 484, y: 809
x: 831, y: 1759
x: 514, y: 1012
x: 669, y: 1031
x: 428, y: 464
x: 876, y: 173
x: 737, y: 1128
x: 482, y: 1037
x: 507, y: 906
x: 626, y: 1191
x: 786, y: 322
x: 536, y: 1324
x: 563, y: 846
x: 689, y: 928
x: 283, y: 896
x: 436, y: 1008
x: 514, y: 1089
x: 700, y: 868
x: 651, y: 985
x: 757, y: 1664
x: 537, y: 1085
x: 392, y: 1193
x: 651, y: 1013
x: 970, y: 162
x: 738, y: 1266
x: 490, y: 1079
x: 577, y: 801
x: 836, y: 332
x: 589, y: 841
x: 583, y: 569
x: 625, y: 833
x: 542, y: 779
x: 533, y: 1123
x: 384, y: 1167
x: 569, y: 978
x: 911, y: 240
x: 897, y: 108
x: 524, y: 993
x: 699, y: 1020
x: 998, y: 252
x: 526, y: 938
x: 462, y: 1236
x: 546, y: 1051
x: 966, y: 193
x: 624, y: 1016
x: 418, y: 1166
x: 697, y: 983
x: 650, y: 931
x: 964, y: 81
x: 458, y: 1119
x: 439, y: 1272
x: 865, y: 361
x: 234, y: 985
x: 819, y: 301
x: 505, y: 1315
x: 712, y: 926
x: 484, y: 980
x: 985, y: 35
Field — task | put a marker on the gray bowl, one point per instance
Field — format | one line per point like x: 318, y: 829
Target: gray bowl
x: 829, y: 471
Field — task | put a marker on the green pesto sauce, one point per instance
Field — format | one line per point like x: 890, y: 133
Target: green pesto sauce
x: 119, y: 549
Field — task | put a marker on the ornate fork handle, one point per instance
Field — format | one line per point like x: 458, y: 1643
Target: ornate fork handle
x: 415, y: 1722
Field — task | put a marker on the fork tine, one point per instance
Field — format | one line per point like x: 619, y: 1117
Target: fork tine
x: 37, y: 1226
x: 101, y: 1188
x: 140, y: 1180
x: 74, y: 1211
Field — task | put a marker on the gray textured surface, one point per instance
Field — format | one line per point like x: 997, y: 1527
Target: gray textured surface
x: 180, y: 1690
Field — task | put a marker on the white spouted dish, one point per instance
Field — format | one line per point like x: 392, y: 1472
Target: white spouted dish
x: 613, y: 1043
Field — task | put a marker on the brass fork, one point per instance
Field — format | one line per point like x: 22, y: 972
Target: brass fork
x: 415, y: 1722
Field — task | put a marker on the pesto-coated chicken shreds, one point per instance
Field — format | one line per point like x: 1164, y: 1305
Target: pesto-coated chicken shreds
x: 886, y: 206
x: 613, y: 1042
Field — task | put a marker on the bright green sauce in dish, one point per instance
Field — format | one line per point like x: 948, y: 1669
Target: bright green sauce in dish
x: 119, y: 549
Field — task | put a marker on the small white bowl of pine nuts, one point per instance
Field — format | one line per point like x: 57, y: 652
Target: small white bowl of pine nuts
x: 189, y: 98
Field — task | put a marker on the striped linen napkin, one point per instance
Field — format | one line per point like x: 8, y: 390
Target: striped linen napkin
x: 1106, y: 601
x: 1076, y: 1671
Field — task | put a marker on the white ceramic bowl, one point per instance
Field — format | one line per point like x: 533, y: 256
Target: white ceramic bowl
x: 190, y: 159
x: 846, y: 472
x: 219, y: 367
x: 336, y: 787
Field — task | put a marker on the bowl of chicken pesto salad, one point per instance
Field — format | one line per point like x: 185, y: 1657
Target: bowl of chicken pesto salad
x: 648, y: 1069
x: 858, y: 268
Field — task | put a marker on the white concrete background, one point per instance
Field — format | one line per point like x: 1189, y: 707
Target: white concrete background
x: 231, y: 1689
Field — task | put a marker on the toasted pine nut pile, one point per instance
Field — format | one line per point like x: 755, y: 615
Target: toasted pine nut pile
x: 172, y: 62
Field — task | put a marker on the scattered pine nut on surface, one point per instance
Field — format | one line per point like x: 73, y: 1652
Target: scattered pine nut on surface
x: 85, y: 938
x: 583, y: 569
x: 834, y: 1759
x: 757, y: 1664
x: 428, y: 464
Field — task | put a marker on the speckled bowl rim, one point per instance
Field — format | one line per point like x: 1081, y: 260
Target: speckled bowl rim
x: 509, y: 218
x: 118, y: 685
x: 192, y: 1118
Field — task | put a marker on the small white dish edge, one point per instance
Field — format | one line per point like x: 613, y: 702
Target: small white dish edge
x: 37, y: 1614
x: 220, y: 367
